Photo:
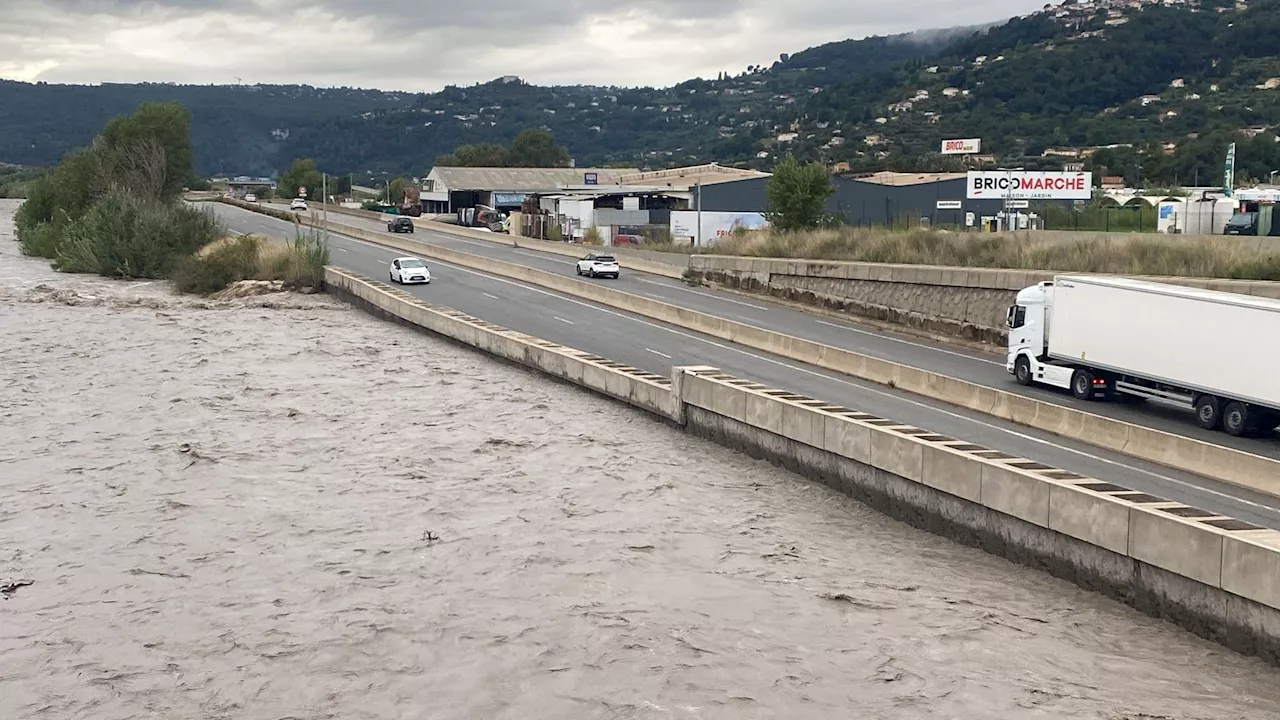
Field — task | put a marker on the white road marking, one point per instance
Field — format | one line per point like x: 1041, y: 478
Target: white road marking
x: 566, y: 322
x: 908, y: 342
x: 832, y: 375
x: 492, y: 297
x: 655, y: 352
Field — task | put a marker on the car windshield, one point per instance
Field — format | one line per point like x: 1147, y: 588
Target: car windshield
x: 605, y: 259
x: 412, y: 264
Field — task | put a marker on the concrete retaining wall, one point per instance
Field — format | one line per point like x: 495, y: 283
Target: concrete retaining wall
x: 1215, y: 576
x: 968, y: 303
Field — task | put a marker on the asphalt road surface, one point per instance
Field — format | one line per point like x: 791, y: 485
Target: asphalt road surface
x: 657, y: 347
x: 977, y: 367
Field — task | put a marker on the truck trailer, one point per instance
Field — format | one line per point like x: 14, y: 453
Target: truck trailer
x: 1103, y: 338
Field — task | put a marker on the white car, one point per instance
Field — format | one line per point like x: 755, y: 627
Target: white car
x: 598, y: 265
x: 409, y: 270
x: 298, y: 204
x: 251, y: 198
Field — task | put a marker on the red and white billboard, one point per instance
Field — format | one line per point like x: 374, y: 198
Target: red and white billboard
x: 967, y: 146
x: 1025, y: 185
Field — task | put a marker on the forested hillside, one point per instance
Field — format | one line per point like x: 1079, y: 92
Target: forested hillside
x: 1135, y: 87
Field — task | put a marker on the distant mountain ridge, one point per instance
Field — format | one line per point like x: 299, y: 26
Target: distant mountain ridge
x: 1178, y: 77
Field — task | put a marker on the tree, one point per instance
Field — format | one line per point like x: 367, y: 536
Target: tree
x: 155, y: 132
x: 301, y: 173
x: 798, y: 195
x: 482, y: 155
x: 537, y: 148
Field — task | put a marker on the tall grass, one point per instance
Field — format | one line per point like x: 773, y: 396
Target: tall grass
x: 1138, y: 255
x: 297, y: 264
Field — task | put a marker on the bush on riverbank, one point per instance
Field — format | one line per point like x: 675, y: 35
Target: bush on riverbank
x: 116, y: 209
x: 1217, y: 258
x: 297, y: 265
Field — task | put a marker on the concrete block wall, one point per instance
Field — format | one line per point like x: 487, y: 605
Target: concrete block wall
x: 1213, y: 575
x: 967, y: 303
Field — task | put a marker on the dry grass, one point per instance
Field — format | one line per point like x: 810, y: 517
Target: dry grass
x: 1155, y: 256
x: 248, y: 257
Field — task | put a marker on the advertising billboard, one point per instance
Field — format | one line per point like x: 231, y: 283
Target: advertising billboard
x: 1027, y: 185
x: 684, y: 224
x: 967, y: 146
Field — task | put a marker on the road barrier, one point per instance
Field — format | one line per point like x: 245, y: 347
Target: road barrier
x: 1254, y: 472
x: 1214, y: 575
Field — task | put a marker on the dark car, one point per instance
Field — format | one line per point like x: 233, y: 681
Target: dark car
x: 400, y: 224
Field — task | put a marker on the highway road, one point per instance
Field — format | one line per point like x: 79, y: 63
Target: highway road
x: 976, y: 367
x: 657, y: 347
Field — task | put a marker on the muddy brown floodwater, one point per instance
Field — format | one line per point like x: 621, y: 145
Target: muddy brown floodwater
x: 282, y: 508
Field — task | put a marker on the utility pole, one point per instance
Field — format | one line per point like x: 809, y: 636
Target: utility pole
x: 697, y: 187
x: 324, y: 206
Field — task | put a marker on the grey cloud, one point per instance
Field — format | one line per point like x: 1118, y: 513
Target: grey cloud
x: 425, y: 44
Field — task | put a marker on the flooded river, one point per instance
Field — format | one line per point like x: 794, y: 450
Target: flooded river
x: 282, y: 508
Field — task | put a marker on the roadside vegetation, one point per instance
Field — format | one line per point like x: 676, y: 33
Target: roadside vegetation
x: 1135, y: 255
x: 298, y: 265
x: 116, y: 209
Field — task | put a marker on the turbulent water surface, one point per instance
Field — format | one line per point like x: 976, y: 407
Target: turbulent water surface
x: 282, y: 508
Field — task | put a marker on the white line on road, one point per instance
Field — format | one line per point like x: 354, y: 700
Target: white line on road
x: 492, y: 297
x: 566, y: 322
x: 834, y: 376
x: 341, y: 248
x: 908, y: 342
x: 655, y: 352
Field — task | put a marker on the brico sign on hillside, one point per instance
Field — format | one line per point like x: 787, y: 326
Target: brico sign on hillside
x: 1023, y: 185
x: 968, y: 146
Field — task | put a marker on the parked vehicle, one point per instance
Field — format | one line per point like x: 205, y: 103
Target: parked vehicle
x: 484, y: 217
x: 399, y: 225
x: 406, y: 270
x: 1103, y: 337
x: 599, y: 265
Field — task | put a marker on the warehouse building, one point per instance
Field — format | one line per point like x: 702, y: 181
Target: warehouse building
x: 884, y: 198
x: 447, y: 189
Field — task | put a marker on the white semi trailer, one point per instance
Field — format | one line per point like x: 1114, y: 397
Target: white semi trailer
x: 1217, y: 353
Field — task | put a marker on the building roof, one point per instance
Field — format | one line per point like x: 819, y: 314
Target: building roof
x: 683, y: 178
x: 900, y: 178
x: 521, y: 179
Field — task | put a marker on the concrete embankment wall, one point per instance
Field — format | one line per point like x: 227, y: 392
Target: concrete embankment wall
x: 966, y: 303
x: 1213, y: 575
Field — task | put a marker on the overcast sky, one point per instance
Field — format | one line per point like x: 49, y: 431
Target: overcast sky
x: 426, y: 44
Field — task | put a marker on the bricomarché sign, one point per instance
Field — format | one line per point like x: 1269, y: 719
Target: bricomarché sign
x: 1024, y: 185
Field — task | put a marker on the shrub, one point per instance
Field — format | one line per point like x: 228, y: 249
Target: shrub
x: 592, y: 236
x: 297, y: 264
x: 126, y: 236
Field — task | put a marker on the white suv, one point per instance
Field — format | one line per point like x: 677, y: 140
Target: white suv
x: 598, y: 265
x: 298, y: 204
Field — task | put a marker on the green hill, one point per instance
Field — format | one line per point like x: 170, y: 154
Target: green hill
x: 1157, y: 88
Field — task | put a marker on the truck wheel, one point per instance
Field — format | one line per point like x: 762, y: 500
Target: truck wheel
x: 1208, y: 412
x: 1082, y: 384
x: 1022, y: 370
x: 1236, y: 420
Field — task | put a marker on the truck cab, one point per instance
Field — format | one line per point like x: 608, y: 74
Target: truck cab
x: 1028, y: 322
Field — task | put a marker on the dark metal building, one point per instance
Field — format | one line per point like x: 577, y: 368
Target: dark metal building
x: 886, y: 199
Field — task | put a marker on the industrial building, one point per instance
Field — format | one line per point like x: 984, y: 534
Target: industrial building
x: 447, y: 189
x: 883, y: 198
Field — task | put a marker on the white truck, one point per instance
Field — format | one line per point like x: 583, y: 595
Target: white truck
x: 1217, y: 353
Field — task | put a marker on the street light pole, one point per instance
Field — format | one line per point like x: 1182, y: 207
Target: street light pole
x: 324, y: 206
